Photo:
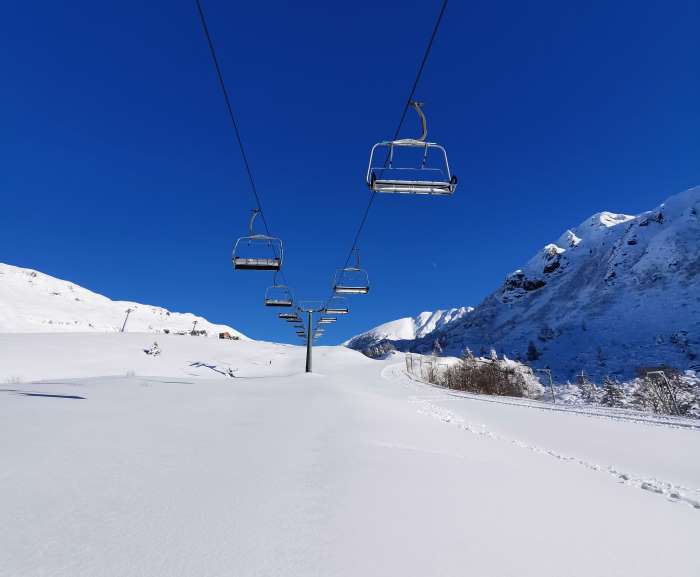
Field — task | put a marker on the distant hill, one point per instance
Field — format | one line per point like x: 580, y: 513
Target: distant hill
x: 33, y: 302
x: 408, y: 328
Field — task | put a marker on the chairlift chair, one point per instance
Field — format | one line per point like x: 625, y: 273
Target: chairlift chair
x: 429, y: 177
x: 278, y: 295
x: 326, y: 320
x: 352, y: 279
x: 248, y: 250
x: 287, y: 316
x: 336, y: 306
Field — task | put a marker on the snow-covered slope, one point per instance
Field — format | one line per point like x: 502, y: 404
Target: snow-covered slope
x: 611, y: 295
x: 166, y: 466
x: 407, y: 328
x: 32, y: 302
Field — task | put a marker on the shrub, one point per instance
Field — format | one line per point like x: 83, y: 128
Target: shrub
x: 492, y: 377
x: 665, y: 391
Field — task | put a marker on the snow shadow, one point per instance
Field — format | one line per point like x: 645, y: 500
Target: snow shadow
x: 51, y: 395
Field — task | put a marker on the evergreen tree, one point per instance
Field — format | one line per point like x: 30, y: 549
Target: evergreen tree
x: 612, y: 393
x: 587, y: 388
x: 532, y: 353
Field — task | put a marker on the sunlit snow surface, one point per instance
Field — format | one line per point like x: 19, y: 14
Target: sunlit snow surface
x: 34, y: 302
x: 118, y: 463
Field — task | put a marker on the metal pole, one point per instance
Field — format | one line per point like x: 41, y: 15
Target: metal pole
x: 126, y: 318
x: 309, y: 340
x: 548, y: 372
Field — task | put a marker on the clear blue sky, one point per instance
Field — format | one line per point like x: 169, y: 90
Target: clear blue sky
x: 119, y: 171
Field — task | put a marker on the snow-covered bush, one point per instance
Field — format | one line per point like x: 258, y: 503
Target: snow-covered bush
x: 667, y: 391
x: 492, y: 376
x: 380, y: 350
x: 154, y: 351
x: 661, y: 390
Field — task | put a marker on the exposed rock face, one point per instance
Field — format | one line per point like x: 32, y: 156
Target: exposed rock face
x: 612, y: 294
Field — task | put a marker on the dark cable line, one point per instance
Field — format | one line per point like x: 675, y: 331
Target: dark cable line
x: 234, y: 123
x: 407, y: 104
x: 239, y: 139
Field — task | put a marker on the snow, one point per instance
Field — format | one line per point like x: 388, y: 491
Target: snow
x: 31, y: 301
x: 408, y: 328
x: 607, y: 219
x: 610, y: 296
x: 119, y: 463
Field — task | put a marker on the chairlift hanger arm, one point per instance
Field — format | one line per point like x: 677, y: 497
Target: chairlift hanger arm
x: 418, y: 107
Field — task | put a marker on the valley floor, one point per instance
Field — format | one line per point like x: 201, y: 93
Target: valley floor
x: 115, y: 463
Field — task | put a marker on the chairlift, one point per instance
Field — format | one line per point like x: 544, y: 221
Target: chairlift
x: 394, y: 175
x: 337, y: 306
x: 288, y: 316
x: 249, y: 250
x: 326, y: 320
x: 278, y: 295
x: 352, y: 279
x: 311, y: 305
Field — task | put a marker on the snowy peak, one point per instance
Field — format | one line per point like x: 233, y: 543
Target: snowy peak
x: 408, y: 328
x: 31, y: 301
x: 611, y: 295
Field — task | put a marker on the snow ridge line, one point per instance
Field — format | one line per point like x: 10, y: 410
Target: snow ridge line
x: 674, y: 493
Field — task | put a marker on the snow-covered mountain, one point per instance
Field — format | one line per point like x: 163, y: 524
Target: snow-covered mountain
x: 611, y: 295
x: 408, y: 328
x: 33, y: 302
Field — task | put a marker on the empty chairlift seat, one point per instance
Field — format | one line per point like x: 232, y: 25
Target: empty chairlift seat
x: 336, y: 306
x: 351, y: 280
x: 410, y: 165
x: 257, y: 251
x: 278, y: 295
